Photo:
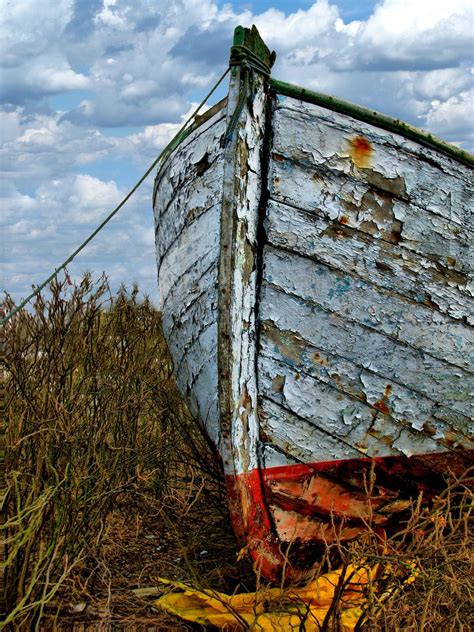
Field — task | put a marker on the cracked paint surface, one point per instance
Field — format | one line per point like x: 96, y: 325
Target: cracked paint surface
x: 366, y: 354
x: 187, y: 220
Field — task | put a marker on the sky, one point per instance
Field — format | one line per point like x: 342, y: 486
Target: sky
x: 92, y: 90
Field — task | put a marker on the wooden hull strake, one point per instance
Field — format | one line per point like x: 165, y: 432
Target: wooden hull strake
x: 315, y: 272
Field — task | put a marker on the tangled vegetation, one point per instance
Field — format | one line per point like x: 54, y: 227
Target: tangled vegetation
x: 94, y: 423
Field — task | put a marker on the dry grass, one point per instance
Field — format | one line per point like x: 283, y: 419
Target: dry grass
x: 110, y: 485
x: 94, y: 422
x: 426, y: 580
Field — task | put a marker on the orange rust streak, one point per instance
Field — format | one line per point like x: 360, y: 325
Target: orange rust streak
x: 382, y: 406
x: 317, y: 358
x: 360, y: 150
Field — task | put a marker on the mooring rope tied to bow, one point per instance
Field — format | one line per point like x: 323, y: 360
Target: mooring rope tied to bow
x: 241, y: 56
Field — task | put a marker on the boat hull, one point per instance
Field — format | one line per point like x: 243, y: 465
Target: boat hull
x: 314, y: 273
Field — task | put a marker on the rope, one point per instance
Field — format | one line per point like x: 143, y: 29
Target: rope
x: 240, y: 55
x: 163, y: 154
x: 226, y: 139
x: 246, y: 59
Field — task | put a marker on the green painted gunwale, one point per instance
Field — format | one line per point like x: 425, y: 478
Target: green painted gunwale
x: 374, y: 118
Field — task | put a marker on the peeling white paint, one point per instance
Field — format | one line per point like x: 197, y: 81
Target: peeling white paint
x: 406, y: 321
x: 366, y: 297
x: 187, y: 218
x: 238, y: 280
x: 433, y: 181
x: 406, y: 366
x: 379, y: 262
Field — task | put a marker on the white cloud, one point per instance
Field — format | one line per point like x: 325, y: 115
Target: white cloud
x: 154, y: 137
x: 420, y: 34
x: 10, y: 125
x: 448, y: 118
x: 90, y: 198
x: 14, y: 203
x: 440, y: 84
x: 38, y: 147
x: 42, y: 229
x: 30, y: 28
x: 72, y: 200
x: 407, y: 56
x: 56, y: 77
x: 311, y: 29
x: 43, y: 76
x: 33, y: 52
x: 143, y: 59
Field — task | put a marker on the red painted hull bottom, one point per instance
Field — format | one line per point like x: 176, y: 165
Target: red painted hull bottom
x: 288, y: 515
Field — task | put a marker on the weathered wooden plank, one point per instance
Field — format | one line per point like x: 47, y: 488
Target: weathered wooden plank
x: 187, y: 328
x: 272, y: 456
x: 242, y: 189
x: 189, y: 204
x: 197, y: 167
x: 403, y: 365
x: 191, y: 200
x: 444, y: 425
x: 189, y: 185
x: 176, y: 220
x: 198, y: 384
x: 193, y: 284
x: 187, y: 217
x: 344, y: 199
x: 429, y: 179
x: 201, y: 350
x: 179, y: 166
x: 406, y: 407
x: 195, y: 308
x: 351, y: 298
x: 195, y: 250
x: 352, y: 421
x: 377, y: 262
x: 307, y: 443
x: 204, y: 384
x: 192, y: 340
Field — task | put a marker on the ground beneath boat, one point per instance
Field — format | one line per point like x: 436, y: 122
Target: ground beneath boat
x: 140, y: 546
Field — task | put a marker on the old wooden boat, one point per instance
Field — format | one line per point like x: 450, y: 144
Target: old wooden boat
x: 314, y: 268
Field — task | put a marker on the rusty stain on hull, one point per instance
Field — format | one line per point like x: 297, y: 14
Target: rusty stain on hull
x: 360, y: 150
x: 315, y: 271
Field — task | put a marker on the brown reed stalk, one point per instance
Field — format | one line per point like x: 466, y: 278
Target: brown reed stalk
x: 93, y: 417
